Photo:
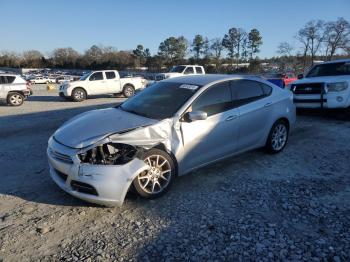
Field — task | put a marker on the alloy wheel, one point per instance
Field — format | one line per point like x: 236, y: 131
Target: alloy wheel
x: 16, y: 99
x: 157, y: 178
x: 279, y: 137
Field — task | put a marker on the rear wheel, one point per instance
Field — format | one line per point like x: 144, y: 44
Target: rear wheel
x: 157, y: 180
x: 278, y: 137
x: 128, y: 91
x: 15, y: 99
x: 79, y: 94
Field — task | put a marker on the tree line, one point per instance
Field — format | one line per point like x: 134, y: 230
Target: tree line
x: 318, y: 40
x: 235, y: 46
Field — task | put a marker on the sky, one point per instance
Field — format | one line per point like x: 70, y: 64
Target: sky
x: 46, y: 25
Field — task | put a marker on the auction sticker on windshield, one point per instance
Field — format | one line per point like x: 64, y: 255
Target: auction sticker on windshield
x: 190, y: 87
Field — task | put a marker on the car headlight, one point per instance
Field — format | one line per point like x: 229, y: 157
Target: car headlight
x: 337, y: 87
x: 109, y: 154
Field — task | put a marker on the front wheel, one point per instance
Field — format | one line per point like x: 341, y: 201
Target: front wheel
x: 15, y: 99
x: 278, y: 137
x: 128, y: 91
x: 79, y: 94
x: 157, y: 180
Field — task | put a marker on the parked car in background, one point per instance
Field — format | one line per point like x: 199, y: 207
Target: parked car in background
x: 274, y: 78
x: 13, y: 89
x: 100, y: 82
x: 182, y: 70
x: 288, y: 78
x: 41, y: 80
x: 62, y: 79
x: 326, y: 85
x: 169, y: 129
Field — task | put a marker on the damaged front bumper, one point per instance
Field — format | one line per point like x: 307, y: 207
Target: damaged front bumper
x: 101, y: 184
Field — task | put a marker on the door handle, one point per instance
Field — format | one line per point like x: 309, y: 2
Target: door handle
x: 231, y: 117
x: 267, y: 104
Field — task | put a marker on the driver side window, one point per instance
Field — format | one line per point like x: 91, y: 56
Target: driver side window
x: 215, y: 100
x: 96, y: 76
x: 189, y: 70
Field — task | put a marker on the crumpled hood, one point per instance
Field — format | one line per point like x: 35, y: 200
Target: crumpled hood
x: 321, y: 79
x: 92, y: 126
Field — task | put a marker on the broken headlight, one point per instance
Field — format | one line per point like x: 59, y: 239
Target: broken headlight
x: 109, y: 154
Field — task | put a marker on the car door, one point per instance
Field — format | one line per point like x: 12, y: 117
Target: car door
x: 97, y: 84
x: 3, y: 92
x: 113, y: 82
x: 213, y: 138
x: 253, y: 101
x: 5, y: 87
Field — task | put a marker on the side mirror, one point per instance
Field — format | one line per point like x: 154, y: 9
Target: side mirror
x: 196, y: 115
x: 300, y: 76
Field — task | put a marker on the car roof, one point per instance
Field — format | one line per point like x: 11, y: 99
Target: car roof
x: 202, y: 80
x: 336, y: 61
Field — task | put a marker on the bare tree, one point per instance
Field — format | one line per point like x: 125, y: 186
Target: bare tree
x: 199, y: 46
x: 254, y: 42
x: 285, y: 49
x: 64, y: 57
x: 233, y: 42
x: 311, y: 36
x: 10, y: 59
x: 337, y: 36
x: 32, y: 58
x: 216, y: 51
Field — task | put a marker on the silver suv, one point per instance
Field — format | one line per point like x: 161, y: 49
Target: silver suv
x: 13, y: 89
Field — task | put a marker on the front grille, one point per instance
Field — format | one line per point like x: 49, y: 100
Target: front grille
x: 308, y: 89
x: 61, y: 157
x: 61, y: 175
x: 83, y: 188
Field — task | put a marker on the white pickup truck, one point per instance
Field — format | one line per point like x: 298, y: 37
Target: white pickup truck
x: 182, y: 70
x: 326, y: 85
x: 101, y: 82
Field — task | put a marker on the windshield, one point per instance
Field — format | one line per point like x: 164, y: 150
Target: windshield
x: 84, y: 76
x: 177, y: 69
x: 333, y: 69
x: 159, y: 101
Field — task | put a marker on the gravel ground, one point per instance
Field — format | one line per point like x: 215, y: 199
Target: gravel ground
x: 291, y: 206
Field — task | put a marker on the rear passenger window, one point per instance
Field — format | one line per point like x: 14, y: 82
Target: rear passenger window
x: 110, y: 75
x: 96, y: 76
x: 189, y: 70
x: 10, y: 79
x: 215, y: 100
x: 2, y: 80
x: 199, y: 70
x: 266, y: 89
x: 246, y: 91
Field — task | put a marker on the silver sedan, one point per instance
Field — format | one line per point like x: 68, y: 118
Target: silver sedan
x: 169, y: 129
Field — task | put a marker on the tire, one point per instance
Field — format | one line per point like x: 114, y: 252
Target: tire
x: 15, y: 99
x: 156, y: 181
x: 79, y: 94
x: 128, y: 91
x: 278, y: 137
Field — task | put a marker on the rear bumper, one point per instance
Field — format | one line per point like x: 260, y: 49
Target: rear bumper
x: 27, y: 92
